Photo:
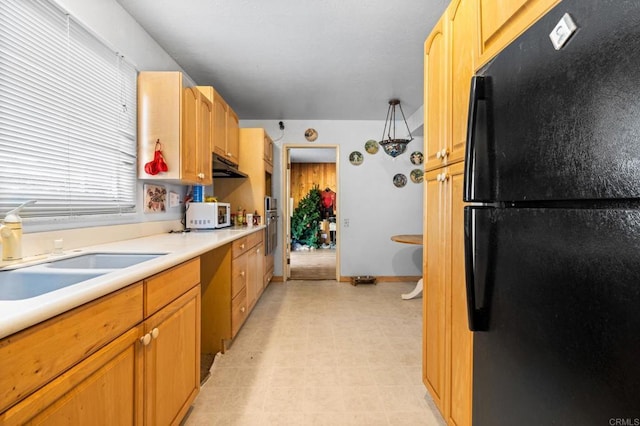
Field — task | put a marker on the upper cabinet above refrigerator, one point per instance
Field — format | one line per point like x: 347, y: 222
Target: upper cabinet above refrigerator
x: 500, y: 22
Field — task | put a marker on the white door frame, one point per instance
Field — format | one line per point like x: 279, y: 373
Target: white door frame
x: 286, y: 206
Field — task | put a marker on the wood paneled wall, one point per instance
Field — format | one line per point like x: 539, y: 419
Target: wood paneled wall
x: 305, y: 175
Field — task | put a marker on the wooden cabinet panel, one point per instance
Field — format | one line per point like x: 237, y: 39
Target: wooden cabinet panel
x: 501, y: 22
x: 233, y: 136
x: 104, y: 389
x: 268, y: 150
x: 434, y: 293
x: 188, y: 153
x: 239, y: 311
x: 166, y: 286
x: 176, y: 117
x: 239, y: 268
x: 220, y: 108
x: 172, y: 360
x: 40, y: 353
x: 225, y: 126
x: 436, y: 86
x: 460, y: 33
x: 459, y: 380
x: 205, y: 134
x: 447, y: 346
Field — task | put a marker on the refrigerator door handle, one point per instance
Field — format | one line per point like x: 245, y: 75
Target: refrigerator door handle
x: 478, y: 320
x: 476, y: 123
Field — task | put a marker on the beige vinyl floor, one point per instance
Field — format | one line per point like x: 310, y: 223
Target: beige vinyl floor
x: 322, y: 353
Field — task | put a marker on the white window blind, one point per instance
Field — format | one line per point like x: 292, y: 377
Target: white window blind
x: 67, y: 116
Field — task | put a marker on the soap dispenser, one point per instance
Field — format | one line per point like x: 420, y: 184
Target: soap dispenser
x: 11, y: 233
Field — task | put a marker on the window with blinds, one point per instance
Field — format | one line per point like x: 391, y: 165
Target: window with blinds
x: 67, y: 116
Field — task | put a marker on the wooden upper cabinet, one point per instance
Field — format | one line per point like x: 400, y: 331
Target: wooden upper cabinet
x: 226, y: 127
x: 189, y: 154
x: 220, y: 108
x: 500, y: 22
x: 205, y: 128
x: 460, y: 33
x: 172, y: 114
x: 435, y: 105
x: 233, y: 136
x: 268, y: 152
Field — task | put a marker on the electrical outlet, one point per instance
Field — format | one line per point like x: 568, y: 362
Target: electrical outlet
x: 174, y: 199
x: 345, y: 223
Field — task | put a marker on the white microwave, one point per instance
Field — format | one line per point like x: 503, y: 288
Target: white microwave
x: 208, y: 215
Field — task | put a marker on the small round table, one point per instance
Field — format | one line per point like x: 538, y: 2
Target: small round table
x: 410, y: 239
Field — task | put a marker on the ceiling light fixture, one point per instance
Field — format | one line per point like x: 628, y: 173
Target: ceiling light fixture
x: 392, y: 145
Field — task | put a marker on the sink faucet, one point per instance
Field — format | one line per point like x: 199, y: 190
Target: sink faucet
x: 11, y: 233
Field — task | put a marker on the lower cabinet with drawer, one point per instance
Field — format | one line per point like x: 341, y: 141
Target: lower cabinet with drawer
x: 105, y: 362
x: 232, y: 282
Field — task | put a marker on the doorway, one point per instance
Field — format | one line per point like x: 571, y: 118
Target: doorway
x: 311, y: 172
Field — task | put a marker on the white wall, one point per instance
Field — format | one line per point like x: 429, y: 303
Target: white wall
x: 373, y: 206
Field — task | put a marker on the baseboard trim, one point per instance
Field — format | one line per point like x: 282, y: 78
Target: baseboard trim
x: 388, y: 278
x: 380, y: 279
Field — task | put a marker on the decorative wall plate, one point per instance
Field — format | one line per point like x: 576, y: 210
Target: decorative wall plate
x: 417, y: 175
x: 371, y: 146
x: 311, y: 135
x: 356, y: 158
x: 417, y: 158
x: 399, y: 180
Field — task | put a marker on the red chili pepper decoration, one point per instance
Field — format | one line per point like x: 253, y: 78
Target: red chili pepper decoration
x: 158, y: 164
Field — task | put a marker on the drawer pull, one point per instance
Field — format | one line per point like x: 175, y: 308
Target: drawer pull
x: 242, y: 246
x: 155, y: 332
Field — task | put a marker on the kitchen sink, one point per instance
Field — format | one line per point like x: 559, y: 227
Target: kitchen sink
x: 32, y: 281
x: 102, y: 260
x: 21, y: 284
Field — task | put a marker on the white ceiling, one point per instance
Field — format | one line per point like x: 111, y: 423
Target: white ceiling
x: 298, y: 59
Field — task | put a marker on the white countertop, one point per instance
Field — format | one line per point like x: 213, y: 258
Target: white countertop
x: 16, y: 315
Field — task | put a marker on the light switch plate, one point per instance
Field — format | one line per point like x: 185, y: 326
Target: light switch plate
x: 562, y: 31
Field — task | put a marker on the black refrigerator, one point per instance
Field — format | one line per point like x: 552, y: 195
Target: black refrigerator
x: 552, y: 231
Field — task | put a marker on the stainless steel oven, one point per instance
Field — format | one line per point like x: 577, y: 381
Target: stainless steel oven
x: 271, y: 231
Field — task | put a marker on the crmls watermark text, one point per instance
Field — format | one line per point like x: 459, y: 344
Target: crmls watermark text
x: 624, y: 422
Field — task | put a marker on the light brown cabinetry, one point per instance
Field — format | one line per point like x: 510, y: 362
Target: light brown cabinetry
x: 172, y: 343
x: 232, y: 282
x: 447, y: 355
x: 255, y: 147
x: 101, y: 363
x: 181, y: 119
x: 225, y: 126
x: 501, y: 22
x: 469, y: 34
x: 435, y: 105
x: 447, y: 360
x: 256, y: 161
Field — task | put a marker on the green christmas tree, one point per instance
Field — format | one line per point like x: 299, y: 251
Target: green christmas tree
x: 305, y: 220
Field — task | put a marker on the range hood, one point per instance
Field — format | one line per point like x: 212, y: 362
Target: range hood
x: 223, y: 168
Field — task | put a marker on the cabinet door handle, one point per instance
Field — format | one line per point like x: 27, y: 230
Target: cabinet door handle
x: 242, y: 273
x: 155, y: 332
x: 146, y: 339
x: 242, y: 309
x: 444, y: 153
